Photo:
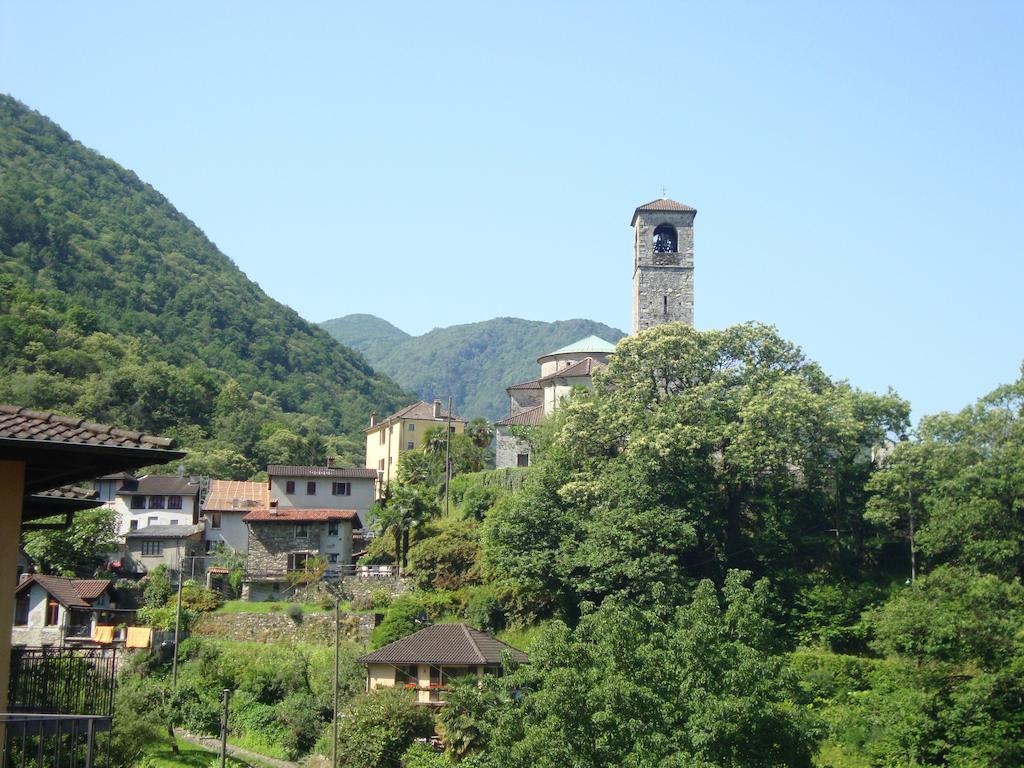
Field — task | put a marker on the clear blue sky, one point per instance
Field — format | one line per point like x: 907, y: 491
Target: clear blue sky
x: 858, y: 168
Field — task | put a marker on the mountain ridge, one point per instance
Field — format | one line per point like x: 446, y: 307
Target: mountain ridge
x: 473, y: 362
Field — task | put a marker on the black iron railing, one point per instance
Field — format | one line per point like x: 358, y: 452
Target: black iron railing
x: 55, y: 741
x: 62, y: 681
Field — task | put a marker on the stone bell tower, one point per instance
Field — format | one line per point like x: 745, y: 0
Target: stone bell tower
x: 662, y: 264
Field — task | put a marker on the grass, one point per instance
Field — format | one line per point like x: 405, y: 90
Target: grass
x: 244, y: 606
x: 521, y: 637
x: 160, y: 755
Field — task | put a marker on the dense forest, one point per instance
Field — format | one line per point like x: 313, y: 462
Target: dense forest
x: 473, y: 362
x: 114, y: 306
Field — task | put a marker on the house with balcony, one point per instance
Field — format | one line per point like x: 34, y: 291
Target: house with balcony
x: 425, y: 661
x: 55, y: 611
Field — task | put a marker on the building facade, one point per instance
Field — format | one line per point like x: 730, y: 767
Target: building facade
x: 156, y: 500
x: 227, y: 503
x: 53, y: 611
x: 176, y: 546
x: 403, y: 431
x: 662, y: 264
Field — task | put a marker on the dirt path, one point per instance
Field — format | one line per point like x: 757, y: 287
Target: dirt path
x: 213, y: 744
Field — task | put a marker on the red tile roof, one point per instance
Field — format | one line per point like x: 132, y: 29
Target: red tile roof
x: 422, y: 411
x: 445, y: 644
x: 534, y: 384
x: 297, y: 515
x: 71, y: 593
x: 236, y: 496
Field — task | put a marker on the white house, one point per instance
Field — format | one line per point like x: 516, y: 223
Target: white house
x: 156, y: 500
x: 226, y: 504
x: 52, y: 611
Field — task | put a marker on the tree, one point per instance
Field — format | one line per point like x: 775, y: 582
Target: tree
x: 405, y: 508
x: 447, y: 560
x: 78, y: 549
x: 695, y: 452
x: 379, y: 726
x: 480, y: 432
x: 700, y: 685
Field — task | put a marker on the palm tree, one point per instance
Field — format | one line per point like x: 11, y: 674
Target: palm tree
x: 480, y: 432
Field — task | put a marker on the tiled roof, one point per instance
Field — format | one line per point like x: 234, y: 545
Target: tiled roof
x: 166, y: 531
x: 24, y: 424
x: 664, y: 204
x: 584, y: 367
x: 531, y: 417
x: 534, y: 384
x: 297, y: 515
x: 159, y: 485
x: 421, y: 410
x: 444, y: 644
x: 236, y: 495
x: 70, y: 492
x: 286, y: 470
x: 589, y: 345
x: 71, y: 593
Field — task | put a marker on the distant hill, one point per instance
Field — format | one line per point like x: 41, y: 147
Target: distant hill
x: 473, y: 362
x: 114, y: 306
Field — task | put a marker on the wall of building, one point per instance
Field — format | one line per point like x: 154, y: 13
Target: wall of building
x: 520, y: 400
x: 508, y: 448
x: 361, y: 498
x: 398, y: 436
x: 145, y: 517
x: 662, y: 282
x: 232, y: 532
x: 271, y: 543
x: 383, y: 676
x: 173, y: 551
x: 36, y: 632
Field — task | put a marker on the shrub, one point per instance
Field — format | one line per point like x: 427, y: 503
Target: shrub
x: 399, y: 621
x: 301, y: 723
x: 380, y: 598
x: 380, y: 726
x: 294, y: 612
x: 421, y: 755
x: 484, y: 610
x: 158, y: 587
x: 197, y: 598
x: 164, y: 618
x: 478, y: 500
x: 449, y: 560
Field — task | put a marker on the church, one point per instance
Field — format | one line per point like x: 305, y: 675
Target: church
x: 662, y: 293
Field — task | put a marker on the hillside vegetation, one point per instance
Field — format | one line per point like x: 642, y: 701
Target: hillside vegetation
x: 473, y: 362
x: 114, y: 306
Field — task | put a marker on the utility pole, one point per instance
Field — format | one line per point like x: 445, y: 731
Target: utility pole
x: 177, y: 631
x: 225, y: 696
x: 448, y: 456
x: 337, y: 653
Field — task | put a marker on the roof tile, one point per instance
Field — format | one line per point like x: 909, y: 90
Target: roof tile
x: 444, y: 644
x: 25, y: 424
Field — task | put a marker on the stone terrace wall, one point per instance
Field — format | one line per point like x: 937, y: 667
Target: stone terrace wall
x: 314, y: 628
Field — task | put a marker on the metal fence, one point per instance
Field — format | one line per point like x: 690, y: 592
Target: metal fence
x: 62, y: 681
x: 54, y: 741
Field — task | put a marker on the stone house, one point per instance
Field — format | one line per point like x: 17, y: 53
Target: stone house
x: 282, y: 540
x: 225, y: 508
x: 403, y: 431
x: 156, y: 500
x: 176, y: 546
x: 426, y: 661
x: 54, y: 611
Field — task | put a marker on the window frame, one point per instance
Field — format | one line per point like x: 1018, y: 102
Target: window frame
x: 215, y: 521
x: 138, y: 502
x: 302, y: 530
x: 311, y: 487
x: 152, y: 548
x: 156, y: 502
x: 341, y: 488
x: 289, y: 486
x: 52, y: 616
x: 174, y: 502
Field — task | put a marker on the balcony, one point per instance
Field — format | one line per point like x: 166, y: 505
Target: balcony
x: 60, y: 700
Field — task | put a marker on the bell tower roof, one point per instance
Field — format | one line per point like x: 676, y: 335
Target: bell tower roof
x: 662, y: 204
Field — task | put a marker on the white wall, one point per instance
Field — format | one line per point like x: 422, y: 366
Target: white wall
x: 232, y: 532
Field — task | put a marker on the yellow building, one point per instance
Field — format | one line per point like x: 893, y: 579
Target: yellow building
x: 403, y: 431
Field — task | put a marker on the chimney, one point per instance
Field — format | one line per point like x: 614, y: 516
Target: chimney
x: 437, y: 409
x: 330, y: 461
x: 373, y: 418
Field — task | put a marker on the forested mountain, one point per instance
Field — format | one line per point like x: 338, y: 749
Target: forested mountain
x: 114, y: 306
x: 473, y: 362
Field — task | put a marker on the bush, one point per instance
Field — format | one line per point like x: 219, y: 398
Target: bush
x: 294, y: 612
x: 196, y: 709
x: 164, y: 618
x: 399, y: 621
x: 197, y: 598
x: 484, y: 610
x: 380, y: 598
x: 157, y: 588
x: 450, y: 560
x: 478, y: 501
x: 380, y: 726
x: 301, y: 723
x: 421, y: 755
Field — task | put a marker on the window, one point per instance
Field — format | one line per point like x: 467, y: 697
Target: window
x: 665, y: 238
x: 522, y: 460
x: 174, y: 502
x: 407, y: 674
x: 380, y: 465
x: 174, y: 521
x: 289, y: 486
x: 332, y: 558
x: 152, y: 548
x: 52, y: 612
x: 411, y: 427
x: 452, y: 430
x: 382, y: 437
x: 215, y: 520
x: 341, y: 489
x: 152, y: 520
x: 297, y: 561
x: 133, y: 525
x: 156, y: 502
x: 311, y: 488
x: 138, y: 502
x: 332, y: 528
x: 301, y: 531
x: 21, y: 609
x: 410, y: 445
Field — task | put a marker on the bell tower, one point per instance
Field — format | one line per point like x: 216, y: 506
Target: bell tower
x: 662, y: 264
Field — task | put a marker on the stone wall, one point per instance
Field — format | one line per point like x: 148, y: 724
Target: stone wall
x: 313, y: 628
x: 662, y: 282
x: 507, y: 448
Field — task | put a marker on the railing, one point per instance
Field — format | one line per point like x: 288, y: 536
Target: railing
x: 54, y: 741
x: 62, y: 681
x: 333, y: 572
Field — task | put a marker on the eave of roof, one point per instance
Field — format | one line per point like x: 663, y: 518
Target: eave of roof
x: 531, y: 417
x: 452, y: 644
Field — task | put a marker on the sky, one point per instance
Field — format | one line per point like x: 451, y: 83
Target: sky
x: 858, y: 168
